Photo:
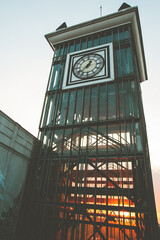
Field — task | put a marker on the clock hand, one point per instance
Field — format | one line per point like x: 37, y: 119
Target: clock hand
x: 88, y: 64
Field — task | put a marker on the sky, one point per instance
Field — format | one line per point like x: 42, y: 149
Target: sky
x: 25, y: 59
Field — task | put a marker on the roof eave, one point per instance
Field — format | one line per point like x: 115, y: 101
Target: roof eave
x: 129, y: 15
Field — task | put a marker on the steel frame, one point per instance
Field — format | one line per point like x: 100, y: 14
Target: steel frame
x: 87, y: 184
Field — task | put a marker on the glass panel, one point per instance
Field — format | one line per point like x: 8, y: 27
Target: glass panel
x: 138, y: 138
x: 83, y: 44
x: 102, y: 138
x: 95, y: 40
x: 56, y: 142
x: 94, y: 104
x: 66, y: 49
x: 134, y: 99
x: 71, y: 47
x: 58, y: 114
x: 75, y: 143
x: 54, y: 77
x: 127, y: 62
x: 43, y: 119
x: 56, y: 52
x: 125, y: 103
x: 89, y: 42
x: 51, y: 111
x: 77, y: 46
x: 64, y: 108
x: 124, y: 61
x: 46, y: 138
x: 71, y: 107
x: 117, y: 58
x: 102, y: 102
x: 128, y: 105
x: 39, y: 135
x: 111, y: 102
x: 120, y: 137
x: 67, y: 140
x: 116, y: 35
x: 121, y: 100
x: 126, y: 135
x: 102, y: 38
x: 92, y: 139
x: 86, y: 105
x: 109, y: 37
x: 60, y: 76
x: 128, y: 100
x: 121, y: 34
x: 61, y: 50
x: 79, y: 105
x: 127, y: 32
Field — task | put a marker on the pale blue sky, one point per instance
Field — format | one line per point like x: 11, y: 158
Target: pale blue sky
x: 25, y: 56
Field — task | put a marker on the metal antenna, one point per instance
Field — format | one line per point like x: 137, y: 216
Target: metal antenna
x: 100, y: 10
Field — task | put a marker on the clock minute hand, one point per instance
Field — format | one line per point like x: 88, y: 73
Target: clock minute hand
x: 88, y: 64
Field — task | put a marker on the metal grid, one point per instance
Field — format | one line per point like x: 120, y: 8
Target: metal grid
x: 92, y: 188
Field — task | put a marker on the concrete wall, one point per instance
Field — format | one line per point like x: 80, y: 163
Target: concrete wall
x: 16, y: 151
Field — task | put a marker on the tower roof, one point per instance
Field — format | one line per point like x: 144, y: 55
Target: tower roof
x: 63, y: 25
x: 124, y: 6
x: 129, y: 15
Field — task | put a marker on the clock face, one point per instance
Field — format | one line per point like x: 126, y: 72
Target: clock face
x: 88, y: 66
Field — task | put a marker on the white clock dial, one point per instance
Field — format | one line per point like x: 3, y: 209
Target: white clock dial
x: 88, y: 66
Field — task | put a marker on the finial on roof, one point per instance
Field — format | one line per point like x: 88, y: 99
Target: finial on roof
x: 123, y: 6
x: 63, y: 25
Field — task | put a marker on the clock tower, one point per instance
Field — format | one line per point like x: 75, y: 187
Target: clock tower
x: 92, y: 177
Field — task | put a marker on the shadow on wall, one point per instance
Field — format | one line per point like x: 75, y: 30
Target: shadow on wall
x: 8, y: 220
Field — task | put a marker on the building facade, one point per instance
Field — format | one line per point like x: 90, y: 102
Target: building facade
x: 17, y: 148
x: 92, y: 179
